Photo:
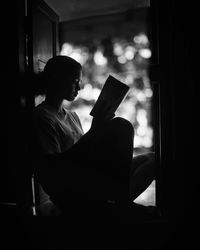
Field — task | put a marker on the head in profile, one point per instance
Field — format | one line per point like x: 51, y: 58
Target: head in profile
x: 62, y: 76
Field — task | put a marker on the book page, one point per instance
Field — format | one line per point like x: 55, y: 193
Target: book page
x: 112, y: 94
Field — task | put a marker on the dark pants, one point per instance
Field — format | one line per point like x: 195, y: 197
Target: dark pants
x: 96, y: 168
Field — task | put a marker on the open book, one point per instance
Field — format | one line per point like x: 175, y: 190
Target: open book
x: 112, y: 94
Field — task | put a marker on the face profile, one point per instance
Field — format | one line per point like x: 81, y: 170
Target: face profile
x: 63, y: 75
x: 72, y: 87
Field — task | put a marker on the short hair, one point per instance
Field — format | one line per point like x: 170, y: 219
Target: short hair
x: 58, y: 68
x: 61, y: 65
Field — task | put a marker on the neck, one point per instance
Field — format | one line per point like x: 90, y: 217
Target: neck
x: 54, y: 102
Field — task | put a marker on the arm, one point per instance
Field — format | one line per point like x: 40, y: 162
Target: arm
x: 47, y: 136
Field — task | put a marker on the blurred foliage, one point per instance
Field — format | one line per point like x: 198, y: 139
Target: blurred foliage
x: 127, y: 60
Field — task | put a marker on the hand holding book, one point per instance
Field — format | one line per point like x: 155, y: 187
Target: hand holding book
x: 112, y: 94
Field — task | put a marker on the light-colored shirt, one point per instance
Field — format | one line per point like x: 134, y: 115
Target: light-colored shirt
x: 56, y: 133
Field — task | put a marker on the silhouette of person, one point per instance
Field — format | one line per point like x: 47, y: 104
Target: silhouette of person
x: 74, y: 167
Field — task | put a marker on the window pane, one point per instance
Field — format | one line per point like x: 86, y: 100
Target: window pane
x: 120, y: 47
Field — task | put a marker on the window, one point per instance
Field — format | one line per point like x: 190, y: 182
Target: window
x: 119, y: 45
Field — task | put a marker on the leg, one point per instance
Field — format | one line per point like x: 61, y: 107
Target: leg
x: 142, y: 174
x: 111, y: 148
x: 120, y: 150
x: 97, y: 167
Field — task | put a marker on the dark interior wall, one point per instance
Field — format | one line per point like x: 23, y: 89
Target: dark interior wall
x: 43, y: 32
x: 42, y: 43
x: 178, y: 85
x: 17, y: 98
x: 9, y: 101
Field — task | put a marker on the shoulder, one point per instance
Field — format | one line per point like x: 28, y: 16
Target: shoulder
x: 43, y: 113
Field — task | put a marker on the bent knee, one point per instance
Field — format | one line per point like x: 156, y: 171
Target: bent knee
x: 122, y: 124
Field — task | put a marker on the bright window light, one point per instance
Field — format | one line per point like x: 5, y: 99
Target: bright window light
x: 141, y: 39
x: 99, y: 58
x: 145, y: 53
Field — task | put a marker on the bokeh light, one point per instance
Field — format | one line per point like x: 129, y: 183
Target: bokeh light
x: 128, y: 60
